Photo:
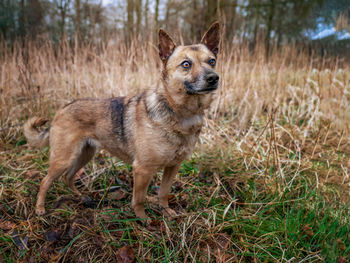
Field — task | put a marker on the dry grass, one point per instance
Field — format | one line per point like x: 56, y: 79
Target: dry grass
x: 271, y: 169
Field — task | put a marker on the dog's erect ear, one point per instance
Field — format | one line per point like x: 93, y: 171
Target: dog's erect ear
x: 166, y: 45
x: 212, y: 38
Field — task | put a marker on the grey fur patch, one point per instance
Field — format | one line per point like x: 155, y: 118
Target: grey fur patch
x: 117, y: 117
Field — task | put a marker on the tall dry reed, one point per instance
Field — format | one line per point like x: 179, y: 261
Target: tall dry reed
x: 293, y: 93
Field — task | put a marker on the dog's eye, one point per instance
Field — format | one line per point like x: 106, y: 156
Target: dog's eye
x: 212, y: 62
x: 186, y: 64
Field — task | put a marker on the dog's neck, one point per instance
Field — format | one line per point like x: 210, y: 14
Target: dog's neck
x: 184, y: 105
x: 162, y: 109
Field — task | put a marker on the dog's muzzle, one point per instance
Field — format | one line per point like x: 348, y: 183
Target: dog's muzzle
x: 205, y: 85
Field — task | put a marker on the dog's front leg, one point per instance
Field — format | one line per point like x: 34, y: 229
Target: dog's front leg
x: 142, y: 177
x: 167, y: 180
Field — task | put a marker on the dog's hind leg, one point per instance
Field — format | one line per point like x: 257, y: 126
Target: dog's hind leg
x: 55, y: 171
x: 87, y: 152
x: 63, y: 161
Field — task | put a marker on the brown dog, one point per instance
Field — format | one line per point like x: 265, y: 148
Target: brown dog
x: 154, y: 130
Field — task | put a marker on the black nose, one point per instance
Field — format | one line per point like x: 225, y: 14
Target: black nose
x: 212, y: 78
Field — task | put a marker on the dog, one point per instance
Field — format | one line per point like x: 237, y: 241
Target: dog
x: 154, y: 130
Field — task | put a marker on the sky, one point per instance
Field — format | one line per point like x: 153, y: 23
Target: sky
x: 105, y: 2
x: 324, y: 30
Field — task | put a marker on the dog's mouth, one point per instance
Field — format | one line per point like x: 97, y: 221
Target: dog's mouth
x: 192, y: 89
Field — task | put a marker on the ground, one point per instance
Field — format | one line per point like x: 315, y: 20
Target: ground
x: 267, y: 182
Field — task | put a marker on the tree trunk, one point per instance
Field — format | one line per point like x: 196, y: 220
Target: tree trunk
x: 63, y: 13
x: 228, y: 12
x: 156, y: 14
x: 269, y: 28
x: 138, y: 16
x: 193, y: 25
x: 211, y: 13
x: 22, y: 20
x: 77, y: 19
x: 146, y: 15
x: 130, y: 21
x: 256, y: 25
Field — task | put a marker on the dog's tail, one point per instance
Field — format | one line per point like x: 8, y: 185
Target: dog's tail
x: 34, y: 136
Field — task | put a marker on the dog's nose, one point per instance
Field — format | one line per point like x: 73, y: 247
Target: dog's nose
x: 212, y: 78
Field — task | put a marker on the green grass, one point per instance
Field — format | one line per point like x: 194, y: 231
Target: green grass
x: 259, y: 224
x: 268, y: 182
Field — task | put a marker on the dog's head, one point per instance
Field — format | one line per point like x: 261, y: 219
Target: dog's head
x: 191, y: 69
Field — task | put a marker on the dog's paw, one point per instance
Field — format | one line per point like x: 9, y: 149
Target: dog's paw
x: 168, y: 212
x: 39, y: 211
x: 140, y: 213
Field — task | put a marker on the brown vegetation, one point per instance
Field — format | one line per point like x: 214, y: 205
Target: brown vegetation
x: 272, y: 122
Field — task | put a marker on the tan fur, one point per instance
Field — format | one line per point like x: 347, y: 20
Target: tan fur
x: 36, y: 138
x: 154, y: 130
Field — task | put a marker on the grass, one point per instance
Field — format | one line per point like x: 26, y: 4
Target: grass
x: 268, y: 181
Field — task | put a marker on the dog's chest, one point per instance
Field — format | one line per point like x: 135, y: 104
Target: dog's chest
x: 179, y: 147
x: 191, y: 125
x: 181, y: 141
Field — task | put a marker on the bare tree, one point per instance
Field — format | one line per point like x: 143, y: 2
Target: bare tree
x: 77, y: 18
x: 156, y: 15
x: 211, y: 12
x: 62, y: 6
x: 146, y: 14
x: 130, y: 19
x: 138, y: 16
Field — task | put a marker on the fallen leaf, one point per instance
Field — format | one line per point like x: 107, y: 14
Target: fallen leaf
x: 125, y: 255
x: 222, y: 243
x: 342, y: 260
x: 31, y: 174
x: 221, y: 256
x: 222, y: 240
x: 46, y: 251
x: 51, y: 236
x: 25, y: 157
x: 171, y: 199
x: 96, y: 195
x: 7, y: 225
x: 98, y: 241
x: 118, y: 195
x: 123, y: 179
x: 20, y: 243
x: 74, y: 230
x: 156, y: 226
x: 64, y: 200
x: 218, y: 244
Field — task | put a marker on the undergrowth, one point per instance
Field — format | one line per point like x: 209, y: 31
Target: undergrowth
x: 267, y: 182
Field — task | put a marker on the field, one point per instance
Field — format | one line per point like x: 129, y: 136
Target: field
x: 268, y: 181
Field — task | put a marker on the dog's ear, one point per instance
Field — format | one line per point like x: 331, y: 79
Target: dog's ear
x: 166, y: 45
x: 211, y: 38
